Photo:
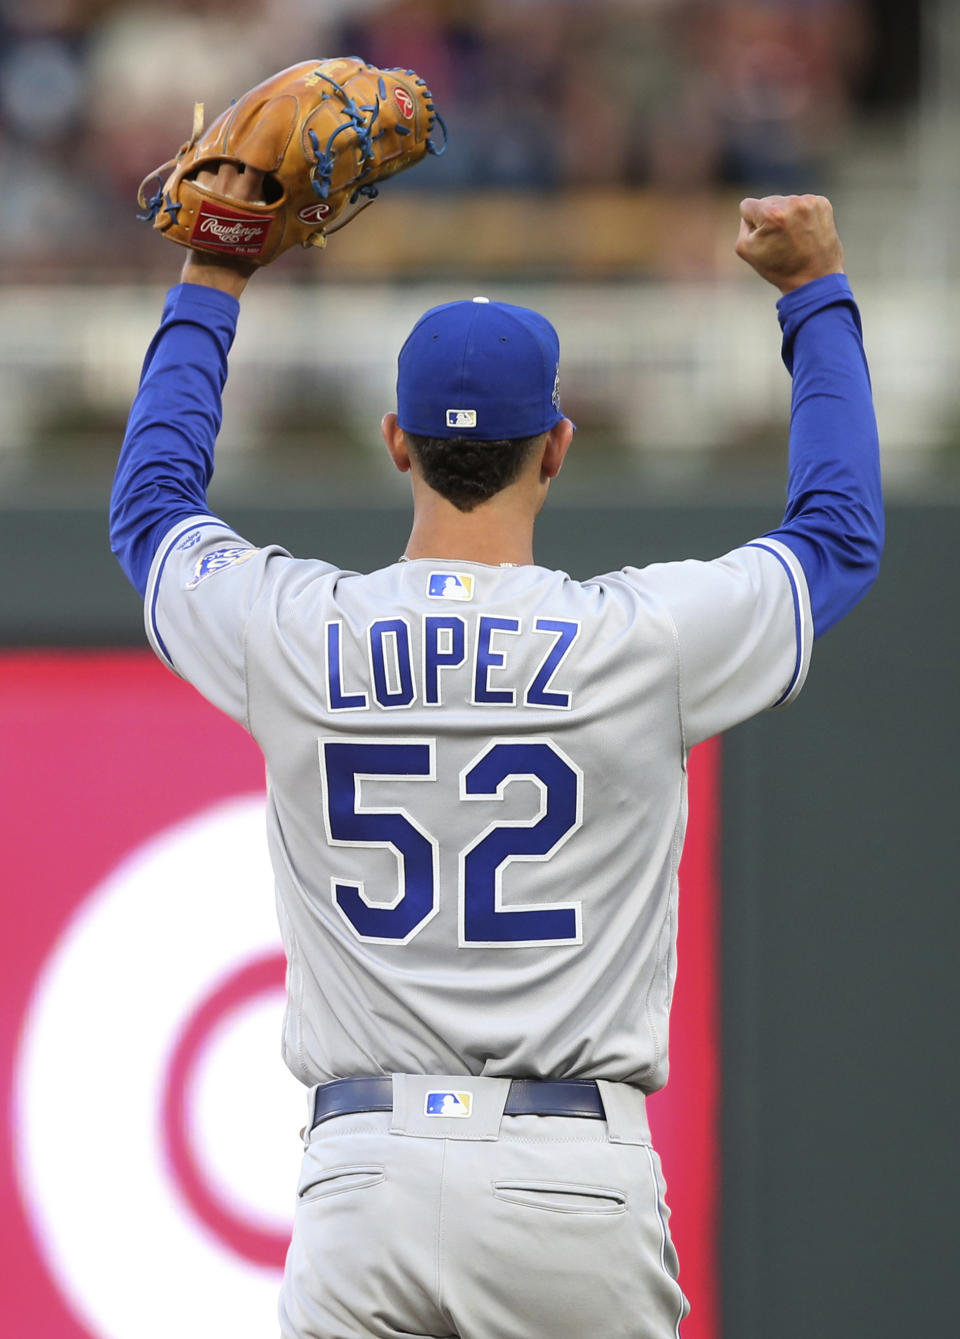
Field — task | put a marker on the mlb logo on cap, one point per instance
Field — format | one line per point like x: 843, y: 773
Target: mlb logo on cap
x: 483, y: 370
x: 448, y: 1104
x: 450, y: 586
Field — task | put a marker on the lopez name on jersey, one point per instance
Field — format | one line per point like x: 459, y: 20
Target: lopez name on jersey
x: 405, y: 663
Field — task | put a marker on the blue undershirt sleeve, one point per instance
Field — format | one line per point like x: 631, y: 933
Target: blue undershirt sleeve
x: 834, y: 518
x: 166, y: 461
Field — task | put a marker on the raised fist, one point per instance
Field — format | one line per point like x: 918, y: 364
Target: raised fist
x: 789, y: 239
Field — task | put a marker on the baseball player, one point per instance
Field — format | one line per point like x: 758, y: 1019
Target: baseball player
x: 476, y: 794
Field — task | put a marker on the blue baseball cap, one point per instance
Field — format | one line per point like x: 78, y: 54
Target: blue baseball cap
x: 480, y: 369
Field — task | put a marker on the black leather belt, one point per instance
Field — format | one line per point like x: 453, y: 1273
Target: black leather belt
x: 527, y: 1097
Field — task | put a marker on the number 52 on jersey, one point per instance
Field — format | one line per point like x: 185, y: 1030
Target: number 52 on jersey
x: 483, y: 920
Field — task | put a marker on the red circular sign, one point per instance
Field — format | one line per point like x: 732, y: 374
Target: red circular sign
x: 404, y: 102
x: 256, y: 1244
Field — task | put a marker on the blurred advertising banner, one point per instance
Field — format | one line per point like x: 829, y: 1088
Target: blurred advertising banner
x: 150, y: 1144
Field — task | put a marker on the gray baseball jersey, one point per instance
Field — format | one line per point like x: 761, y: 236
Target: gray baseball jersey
x: 477, y: 786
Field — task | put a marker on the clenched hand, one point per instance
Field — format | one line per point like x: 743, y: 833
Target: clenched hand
x: 790, y: 239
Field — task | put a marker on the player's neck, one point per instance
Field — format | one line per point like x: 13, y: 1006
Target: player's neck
x: 493, y: 533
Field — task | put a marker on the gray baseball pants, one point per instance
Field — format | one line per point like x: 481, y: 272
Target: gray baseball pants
x: 489, y: 1227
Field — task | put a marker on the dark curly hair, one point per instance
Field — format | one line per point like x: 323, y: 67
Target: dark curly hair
x: 467, y: 472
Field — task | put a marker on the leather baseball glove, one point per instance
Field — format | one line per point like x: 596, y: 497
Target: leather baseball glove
x: 322, y: 133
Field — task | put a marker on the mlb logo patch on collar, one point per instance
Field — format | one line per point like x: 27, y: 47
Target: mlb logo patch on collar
x: 445, y: 1103
x: 450, y: 586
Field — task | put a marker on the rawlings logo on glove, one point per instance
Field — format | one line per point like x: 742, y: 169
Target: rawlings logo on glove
x: 319, y: 136
x: 221, y: 229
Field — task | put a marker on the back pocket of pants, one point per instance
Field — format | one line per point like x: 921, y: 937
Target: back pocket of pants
x: 337, y: 1181
x: 561, y: 1196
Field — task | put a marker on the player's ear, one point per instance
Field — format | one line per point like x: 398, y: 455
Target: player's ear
x: 555, y: 448
x: 396, y: 442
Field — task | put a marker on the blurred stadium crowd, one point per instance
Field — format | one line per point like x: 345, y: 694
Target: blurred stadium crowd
x: 545, y: 95
x: 598, y: 151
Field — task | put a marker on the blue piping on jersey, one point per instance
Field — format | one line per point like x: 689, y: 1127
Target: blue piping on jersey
x: 797, y: 617
x: 664, y: 1238
x: 177, y: 535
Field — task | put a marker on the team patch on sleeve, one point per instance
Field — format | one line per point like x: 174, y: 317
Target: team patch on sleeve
x: 218, y: 560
